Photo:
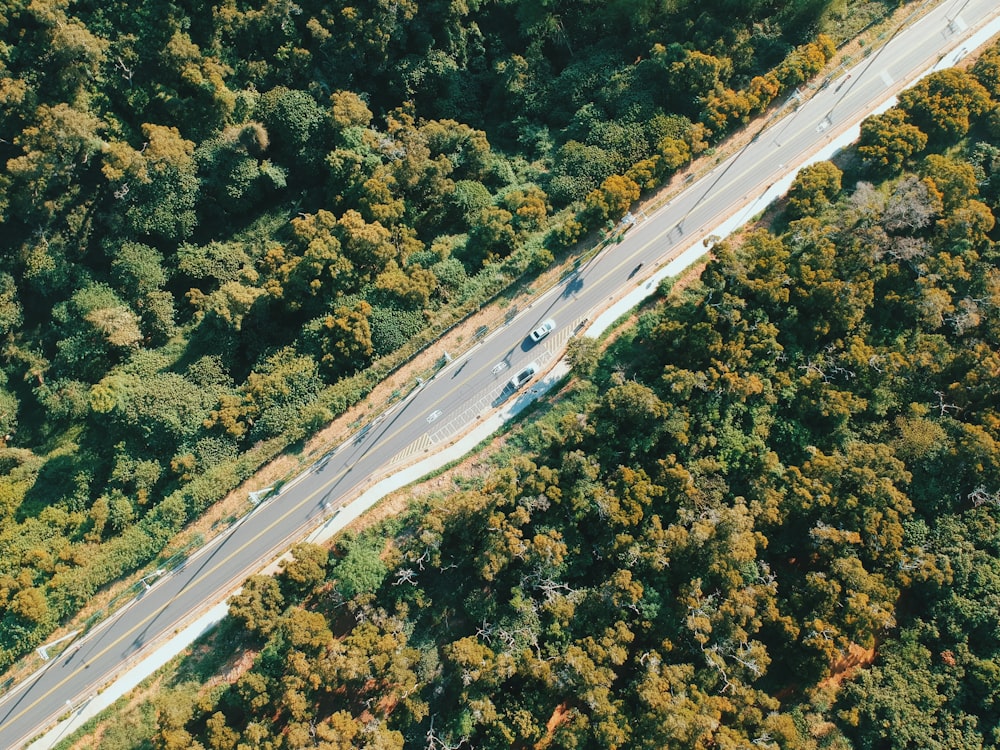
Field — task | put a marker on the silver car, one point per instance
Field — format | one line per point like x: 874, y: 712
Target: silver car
x: 524, y: 375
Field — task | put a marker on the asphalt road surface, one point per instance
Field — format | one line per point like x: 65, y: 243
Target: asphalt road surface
x: 478, y: 381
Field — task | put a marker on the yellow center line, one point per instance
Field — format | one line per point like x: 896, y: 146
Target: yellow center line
x: 207, y: 574
x: 156, y: 613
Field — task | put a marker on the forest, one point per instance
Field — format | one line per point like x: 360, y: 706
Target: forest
x: 222, y: 221
x: 789, y: 460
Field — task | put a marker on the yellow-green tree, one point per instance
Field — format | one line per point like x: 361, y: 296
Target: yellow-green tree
x: 945, y: 103
x: 889, y: 140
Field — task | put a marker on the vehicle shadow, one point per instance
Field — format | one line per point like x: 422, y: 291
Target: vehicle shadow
x: 503, y: 396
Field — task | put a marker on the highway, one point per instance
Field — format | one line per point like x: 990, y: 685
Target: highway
x: 477, y: 381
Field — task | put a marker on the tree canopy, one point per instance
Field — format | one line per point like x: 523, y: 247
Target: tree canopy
x: 765, y: 516
x: 216, y: 212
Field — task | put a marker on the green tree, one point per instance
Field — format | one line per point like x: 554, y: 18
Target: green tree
x: 306, y: 569
x: 577, y: 170
x: 583, y: 354
x: 986, y: 69
x: 491, y: 236
x: 955, y: 180
x: 258, y: 605
x: 138, y: 270
x: 279, y: 390
x: 466, y: 202
x: 8, y: 414
x: 392, y: 328
x: 121, y: 513
x: 11, y: 312
x: 611, y: 201
x: 233, y: 173
x: 814, y: 187
x: 359, y: 569
x: 889, y: 140
x: 945, y: 103
x: 97, y: 328
x: 451, y: 277
x: 30, y: 605
x: 231, y: 303
x: 343, y: 340
x: 900, y: 703
x: 71, y: 54
x: 294, y: 120
x: 160, y: 202
x: 635, y: 418
x: 162, y: 409
x: 56, y: 146
x: 214, y: 263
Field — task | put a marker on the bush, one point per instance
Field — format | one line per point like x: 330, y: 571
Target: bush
x: 451, y: 277
x: 540, y: 260
x: 392, y: 328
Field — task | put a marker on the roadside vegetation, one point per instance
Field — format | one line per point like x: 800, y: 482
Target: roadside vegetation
x: 225, y: 223
x: 765, y: 515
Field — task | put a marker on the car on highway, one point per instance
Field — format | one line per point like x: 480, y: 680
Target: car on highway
x: 547, y: 327
x: 524, y: 375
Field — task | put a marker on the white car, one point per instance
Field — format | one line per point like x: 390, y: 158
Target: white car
x: 547, y: 327
x: 524, y: 375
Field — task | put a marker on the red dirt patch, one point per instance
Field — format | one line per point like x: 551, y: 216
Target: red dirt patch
x: 559, y: 716
x: 848, y: 664
x: 235, y: 668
